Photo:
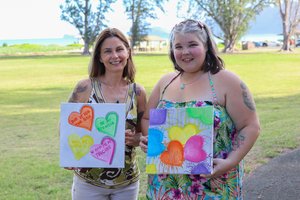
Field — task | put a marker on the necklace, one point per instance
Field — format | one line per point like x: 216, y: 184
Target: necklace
x: 112, y: 91
x: 182, y: 85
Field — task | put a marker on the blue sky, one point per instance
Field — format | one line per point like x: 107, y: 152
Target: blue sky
x: 28, y: 19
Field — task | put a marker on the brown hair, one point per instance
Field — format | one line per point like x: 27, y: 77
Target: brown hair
x: 212, y: 62
x: 96, y: 68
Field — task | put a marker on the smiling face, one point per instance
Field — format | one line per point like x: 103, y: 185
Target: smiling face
x: 189, y: 52
x: 114, y: 54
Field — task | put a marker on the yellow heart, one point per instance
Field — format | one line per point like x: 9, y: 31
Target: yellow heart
x: 80, y: 146
x: 183, y: 134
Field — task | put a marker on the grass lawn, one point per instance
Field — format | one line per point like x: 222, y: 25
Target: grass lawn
x: 32, y: 88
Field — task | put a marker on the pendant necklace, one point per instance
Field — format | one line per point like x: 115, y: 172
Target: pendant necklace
x: 182, y: 85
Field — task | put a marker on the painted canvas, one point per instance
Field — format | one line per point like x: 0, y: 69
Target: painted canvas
x: 92, y: 135
x: 180, y: 141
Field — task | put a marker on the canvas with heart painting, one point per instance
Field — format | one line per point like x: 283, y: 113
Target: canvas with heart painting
x: 91, y: 134
x: 180, y: 141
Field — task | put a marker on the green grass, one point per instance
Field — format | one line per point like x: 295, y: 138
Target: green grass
x: 32, y: 88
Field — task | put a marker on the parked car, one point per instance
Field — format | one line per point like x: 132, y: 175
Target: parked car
x: 271, y: 44
x: 298, y: 43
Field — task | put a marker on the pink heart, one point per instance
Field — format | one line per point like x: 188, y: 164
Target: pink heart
x: 193, y: 149
x: 104, y: 151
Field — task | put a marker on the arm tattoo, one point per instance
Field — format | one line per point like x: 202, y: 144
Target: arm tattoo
x: 74, y: 97
x: 247, y: 99
x: 138, y: 91
x: 238, y: 141
x: 139, y: 117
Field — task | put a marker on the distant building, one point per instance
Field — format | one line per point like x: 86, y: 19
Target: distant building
x: 152, y: 43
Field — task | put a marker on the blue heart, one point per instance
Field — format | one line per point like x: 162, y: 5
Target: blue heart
x: 155, y: 145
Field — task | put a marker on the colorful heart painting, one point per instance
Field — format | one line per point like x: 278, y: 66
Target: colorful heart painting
x: 80, y: 146
x: 84, y: 119
x: 155, y: 145
x: 180, y: 142
x: 108, y: 125
x: 105, y: 150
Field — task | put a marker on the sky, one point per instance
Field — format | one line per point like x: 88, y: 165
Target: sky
x: 32, y: 19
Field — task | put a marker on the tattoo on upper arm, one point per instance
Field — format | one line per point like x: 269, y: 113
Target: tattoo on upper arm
x: 238, y: 141
x: 246, y: 97
x: 139, y: 117
x: 138, y: 91
x: 74, y: 97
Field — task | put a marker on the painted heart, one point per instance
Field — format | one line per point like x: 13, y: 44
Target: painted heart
x: 204, y: 114
x: 183, y: 134
x: 105, y: 150
x: 193, y: 149
x: 80, y: 146
x: 84, y: 119
x: 155, y: 145
x: 200, y: 169
x: 157, y: 116
x: 107, y: 125
x: 174, y: 154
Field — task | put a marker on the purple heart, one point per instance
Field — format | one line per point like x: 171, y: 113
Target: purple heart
x: 200, y: 169
x: 104, y: 151
x: 157, y: 116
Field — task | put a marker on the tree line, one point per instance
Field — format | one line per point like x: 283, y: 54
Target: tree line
x: 231, y: 16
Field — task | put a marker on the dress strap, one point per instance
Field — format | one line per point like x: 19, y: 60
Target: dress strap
x: 97, y: 90
x: 163, y: 92
x: 214, y: 94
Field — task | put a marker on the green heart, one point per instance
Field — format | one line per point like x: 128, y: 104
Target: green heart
x: 204, y: 114
x: 107, y: 125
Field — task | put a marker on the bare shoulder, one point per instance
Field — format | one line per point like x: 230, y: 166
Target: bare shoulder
x: 81, y: 91
x: 165, y: 79
x: 140, y: 90
x: 227, y: 77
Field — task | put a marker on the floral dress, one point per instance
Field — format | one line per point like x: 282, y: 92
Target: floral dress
x: 191, y: 187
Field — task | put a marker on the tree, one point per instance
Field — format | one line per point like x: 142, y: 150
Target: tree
x: 89, y: 21
x: 290, y: 15
x: 138, y: 11
x: 232, y: 16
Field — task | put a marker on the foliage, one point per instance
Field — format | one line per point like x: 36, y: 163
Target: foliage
x: 290, y: 15
x: 88, y: 20
x: 138, y: 11
x: 232, y: 16
x: 37, y: 49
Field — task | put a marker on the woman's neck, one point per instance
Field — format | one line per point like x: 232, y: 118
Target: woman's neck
x: 113, y: 81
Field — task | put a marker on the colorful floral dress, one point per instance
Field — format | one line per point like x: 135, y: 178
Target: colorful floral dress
x: 190, y: 187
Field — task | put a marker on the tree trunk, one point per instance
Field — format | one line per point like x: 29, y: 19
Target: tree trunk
x: 86, y: 50
x: 229, y: 46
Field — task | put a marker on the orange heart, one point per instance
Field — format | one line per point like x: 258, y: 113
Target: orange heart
x: 84, y: 119
x: 174, y: 154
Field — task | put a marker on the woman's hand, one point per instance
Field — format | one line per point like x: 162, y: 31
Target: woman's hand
x: 144, y: 143
x: 71, y: 168
x: 132, y: 138
x: 221, y: 166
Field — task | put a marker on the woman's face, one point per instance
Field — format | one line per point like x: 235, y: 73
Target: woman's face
x: 189, y: 52
x: 114, y: 54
